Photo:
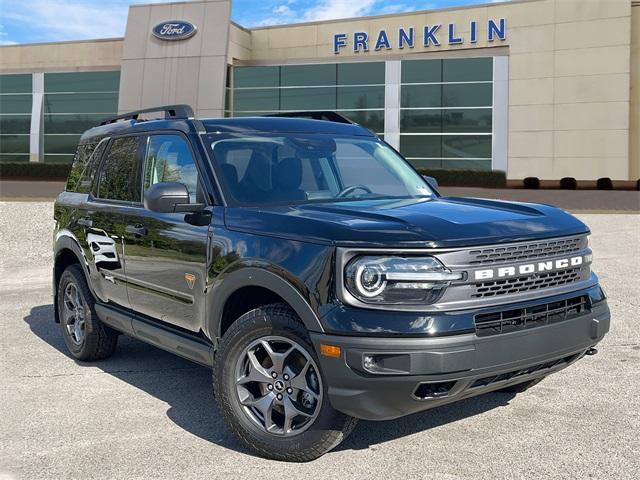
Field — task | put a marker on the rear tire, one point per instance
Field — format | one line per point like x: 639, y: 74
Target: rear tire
x: 520, y: 387
x: 86, y: 337
x: 257, y: 395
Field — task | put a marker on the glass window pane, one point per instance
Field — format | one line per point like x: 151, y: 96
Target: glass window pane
x: 467, y: 164
x: 14, y: 157
x: 467, y: 69
x: 15, y: 104
x: 421, y: 146
x: 169, y: 159
x: 467, y: 95
x: 360, y: 97
x: 373, y: 120
x: 120, y: 172
x: 61, y: 143
x: 54, y: 158
x: 81, y: 103
x: 256, y: 76
x: 421, y: 71
x: 466, y: 146
x: 71, y: 123
x: 259, y: 99
x: 366, y: 73
x: 15, y: 123
x: 82, y: 82
x: 308, y: 99
x: 14, y: 144
x: 301, y: 75
x: 421, y: 163
x: 16, y: 83
x: 421, y: 96
x: 467, y: 121
x: 421, y: 121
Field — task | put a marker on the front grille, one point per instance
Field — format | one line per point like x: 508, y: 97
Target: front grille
x: 512, y: 253
x: 541, y: 367
x: 525, y: 284
x: 530, y: 317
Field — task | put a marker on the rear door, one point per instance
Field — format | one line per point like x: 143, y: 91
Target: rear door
x: 118, y: 189
x: 166, y: 253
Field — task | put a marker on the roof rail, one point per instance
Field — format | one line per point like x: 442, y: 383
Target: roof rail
x: 319, y: 115
x: 170, y: 111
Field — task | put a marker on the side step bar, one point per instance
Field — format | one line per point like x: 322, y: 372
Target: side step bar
x: 190, y: 347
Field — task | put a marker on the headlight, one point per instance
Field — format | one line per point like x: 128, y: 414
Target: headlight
x: 397, y: 280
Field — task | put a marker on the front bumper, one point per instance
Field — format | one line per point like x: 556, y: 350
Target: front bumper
x: 450, y: 368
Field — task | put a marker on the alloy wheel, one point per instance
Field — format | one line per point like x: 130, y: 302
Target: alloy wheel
x: 279, y: 386
x: 73, y: 313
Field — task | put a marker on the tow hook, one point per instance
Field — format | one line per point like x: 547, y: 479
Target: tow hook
x: 591, y: 351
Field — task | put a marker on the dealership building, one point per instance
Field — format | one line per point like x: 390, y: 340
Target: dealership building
x: 544, y: 88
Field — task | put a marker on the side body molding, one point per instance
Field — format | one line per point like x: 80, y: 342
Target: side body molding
x: 257, y: 277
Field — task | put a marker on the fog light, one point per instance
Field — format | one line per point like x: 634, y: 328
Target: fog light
x: 369, y: 362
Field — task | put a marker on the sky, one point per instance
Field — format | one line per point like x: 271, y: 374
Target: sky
x: 32, y: 21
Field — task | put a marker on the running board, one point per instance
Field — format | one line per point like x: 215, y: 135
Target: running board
x: 190, y: 347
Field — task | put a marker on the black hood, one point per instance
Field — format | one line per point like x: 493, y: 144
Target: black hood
x: 437, y: 222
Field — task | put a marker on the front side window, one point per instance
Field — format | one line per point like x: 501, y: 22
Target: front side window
x: 120, y: 173
x: 169, y: 159
x: 299, y: 168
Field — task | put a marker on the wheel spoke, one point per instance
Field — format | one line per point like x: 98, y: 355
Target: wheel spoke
x: 291, y: 411
x: 257, y: 373
x: 265, y: 406
x: 300, y: 381
x: 277, y: 358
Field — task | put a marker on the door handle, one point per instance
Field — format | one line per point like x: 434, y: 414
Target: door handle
x: 85, y: 222
x: 137, y: 230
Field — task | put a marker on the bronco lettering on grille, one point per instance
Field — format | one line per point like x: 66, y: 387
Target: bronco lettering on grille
x: 529, y: 268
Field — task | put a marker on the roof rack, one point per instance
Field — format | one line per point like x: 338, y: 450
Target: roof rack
x: 318, y: 115
x: 170, y: 111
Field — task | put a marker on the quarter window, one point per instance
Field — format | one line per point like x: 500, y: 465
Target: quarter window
x: 169, y: 159
x: 120, y: 173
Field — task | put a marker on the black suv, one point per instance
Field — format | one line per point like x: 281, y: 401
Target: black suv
x: 318, y: 274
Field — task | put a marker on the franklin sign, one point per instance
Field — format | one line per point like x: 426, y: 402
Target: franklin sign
x: 426, y: 37
x: 174, y: 30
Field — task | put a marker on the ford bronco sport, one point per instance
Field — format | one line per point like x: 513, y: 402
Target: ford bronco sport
x: 314, y: 270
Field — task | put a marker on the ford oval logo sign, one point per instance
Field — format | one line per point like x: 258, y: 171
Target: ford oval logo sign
x: 174, y: 30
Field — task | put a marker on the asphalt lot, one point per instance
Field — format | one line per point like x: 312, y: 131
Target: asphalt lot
x: 147, y: 414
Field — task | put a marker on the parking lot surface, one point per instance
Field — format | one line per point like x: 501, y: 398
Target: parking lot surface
x: 145, y: 413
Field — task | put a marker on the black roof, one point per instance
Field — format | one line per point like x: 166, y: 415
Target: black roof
x: 179, y: 117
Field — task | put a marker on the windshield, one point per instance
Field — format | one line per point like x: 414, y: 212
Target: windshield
x: 303, y: 168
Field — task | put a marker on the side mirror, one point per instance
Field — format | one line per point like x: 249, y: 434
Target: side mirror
x: 169, y: 197
x: 433, y: 183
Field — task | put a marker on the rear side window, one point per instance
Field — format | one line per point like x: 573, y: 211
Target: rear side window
x: 80, y: 161
x: 120, y: 172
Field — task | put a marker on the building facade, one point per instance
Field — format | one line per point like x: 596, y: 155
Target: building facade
x: 544, y: 88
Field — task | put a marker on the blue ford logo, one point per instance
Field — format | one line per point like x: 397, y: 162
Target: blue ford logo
x: 174, y: 30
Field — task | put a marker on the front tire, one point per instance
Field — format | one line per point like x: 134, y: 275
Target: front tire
x: 86, y: 337
x: 271, y: 391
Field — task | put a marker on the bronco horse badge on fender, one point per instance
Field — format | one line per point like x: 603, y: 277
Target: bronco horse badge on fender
x: 174, y: 30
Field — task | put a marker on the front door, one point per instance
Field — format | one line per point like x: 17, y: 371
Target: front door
x: 166, y: 253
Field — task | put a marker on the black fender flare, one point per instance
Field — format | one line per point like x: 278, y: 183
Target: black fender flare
x: 257, y: 277
x: 66, y: 240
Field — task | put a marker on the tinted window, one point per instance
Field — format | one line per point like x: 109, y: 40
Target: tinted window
x: 169, y: 159
x: 80, y: 161
x: 120, y: 173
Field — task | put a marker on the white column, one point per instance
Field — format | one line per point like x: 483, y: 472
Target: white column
x: 392, y: 103
x: 37, y: 118
x: 500, y: 113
